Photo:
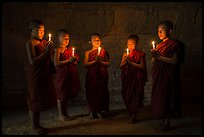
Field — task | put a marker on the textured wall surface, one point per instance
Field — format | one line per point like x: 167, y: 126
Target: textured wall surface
x: 115, y: 22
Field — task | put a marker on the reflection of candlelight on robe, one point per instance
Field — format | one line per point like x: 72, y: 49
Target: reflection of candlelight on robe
x: 127, y: 51
x: 99, y: 49
x: 73, y: 52
x: 49, y: 37
x: 153, y: 44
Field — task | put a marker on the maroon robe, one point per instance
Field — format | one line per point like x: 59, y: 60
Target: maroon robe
x: 67, y: 77
x: 97, y: 92
x: 133, y: 82
x: 41, y: 94
x: 165, y: 82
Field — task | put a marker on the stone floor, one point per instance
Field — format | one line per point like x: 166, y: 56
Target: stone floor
x: 16, y: 121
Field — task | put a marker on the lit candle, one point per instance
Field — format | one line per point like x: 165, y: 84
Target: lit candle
x: 49, y: 37
x: 127, y: 51
x: 73, y: 52
x: 153, y: 44
x: 99, y: 49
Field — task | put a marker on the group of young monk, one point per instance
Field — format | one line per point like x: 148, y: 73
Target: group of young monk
x: 53, y: 77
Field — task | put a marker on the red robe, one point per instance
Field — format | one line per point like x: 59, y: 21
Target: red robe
x: 165, y: 82
x: 41, y: 94
x: 67, y: 77
x: 133, y: 82
x: 96, y: 85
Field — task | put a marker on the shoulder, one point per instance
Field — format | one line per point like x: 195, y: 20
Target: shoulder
x: 88, y: 51
x: 44, y: 41
x: 105, y: 49
x: 141, y: 52
x: 57, y: 49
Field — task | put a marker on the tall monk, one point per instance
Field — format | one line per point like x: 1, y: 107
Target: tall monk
x: 134, y: 76
x: 67, y: 77
x: 165, y: 76
x: 41, y: 95
x: 97, y: 61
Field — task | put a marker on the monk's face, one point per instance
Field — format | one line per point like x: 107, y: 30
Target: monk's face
x: 38, y: 32
x: 131, y: 44
x: 64, y: 40
x: 96, y: 41
x: 163, y: 32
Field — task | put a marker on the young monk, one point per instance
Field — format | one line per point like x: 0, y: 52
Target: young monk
x: 67, y: 77
x: 97, y: 93
x: 164, y: 77
x: 134, y: 76
x: 41, y: 95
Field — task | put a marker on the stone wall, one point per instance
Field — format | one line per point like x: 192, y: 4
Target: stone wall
x: 115, y: 22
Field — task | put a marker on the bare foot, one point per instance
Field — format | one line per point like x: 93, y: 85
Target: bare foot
x: 63, y: 118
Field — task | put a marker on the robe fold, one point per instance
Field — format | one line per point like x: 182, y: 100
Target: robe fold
x: 96, y: 85
x: 133, y: 82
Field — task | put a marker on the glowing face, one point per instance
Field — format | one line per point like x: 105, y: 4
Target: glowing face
x: 96, y: 41
x: 64, y: 40
x: 131, y: 44
x: 163, y: 33
x: 38, y: 32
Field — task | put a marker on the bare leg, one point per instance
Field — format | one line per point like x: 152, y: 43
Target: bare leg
x: 62, y: 108
x: 35, y: 123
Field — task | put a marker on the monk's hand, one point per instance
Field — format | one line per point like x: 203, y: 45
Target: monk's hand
x: 97, y: 59
x: 129, y: 61
x: 49, y: 44
x: 155, y: 54
x: 72, y: 59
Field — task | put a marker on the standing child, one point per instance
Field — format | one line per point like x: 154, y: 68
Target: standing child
x: 97, y: 61
x: 41, y: 95
x: 134, y: 76
x: 67, y: 77
x: 165, y: 59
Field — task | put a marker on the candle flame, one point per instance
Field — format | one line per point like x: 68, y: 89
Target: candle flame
x: 153, y: 42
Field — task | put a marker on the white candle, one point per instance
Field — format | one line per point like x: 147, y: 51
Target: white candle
x: 73, y: 52
x: 153, y: 44
x: 49, y: 37
x: 99, y: 50
x: 127, y: 51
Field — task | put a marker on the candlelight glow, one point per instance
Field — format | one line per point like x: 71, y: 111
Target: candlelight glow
x: 153, y: 44
x: 49, y: 37
x: 127, y: 51
x: 99, y: 50
x: 73, y: 52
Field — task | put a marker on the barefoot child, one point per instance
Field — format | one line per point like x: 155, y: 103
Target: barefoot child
x: 97, y: 61
x: 67, y: 77
x: 134, y: 76
x: 41, y: 95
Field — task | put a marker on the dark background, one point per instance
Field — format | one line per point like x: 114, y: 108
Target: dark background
x: 115, y: 21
